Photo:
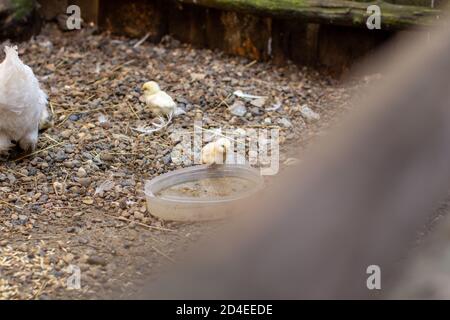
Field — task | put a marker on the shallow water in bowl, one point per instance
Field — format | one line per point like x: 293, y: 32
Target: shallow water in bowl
x: 208, y: 188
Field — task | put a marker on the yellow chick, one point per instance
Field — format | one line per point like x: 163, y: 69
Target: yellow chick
x: 159, y: 102
x: 216, y: 152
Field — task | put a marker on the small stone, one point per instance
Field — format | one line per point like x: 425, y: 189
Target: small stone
x: 83, y: 241
x: 12, y: 179
x: 238, y: 109
x: 68, y: 258
x: 81, y: 172
x: 75, y: 190
x: 96, y: 260
x: 128, y: 183
x: 85, y: 182
x: 123, y: 204
x: 198, y: 76
x: 69, y: 149
x: 68, y: 164
x: 88, y: 201
x: 74, y: 117
x: 71, y: 230
x: 309, y: 115
x: 106, y: 156
x: 66, y: 133
x: 255, y: 111
x: 285, y: 122
x: 259, y: 102
x: 139, y: 215
x: 60, y: 156
x: 167, y: 158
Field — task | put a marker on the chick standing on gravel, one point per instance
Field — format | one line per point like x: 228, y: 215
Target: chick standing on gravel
x: 159, y: 102
x: 216, y: 152
x: 22, y: 103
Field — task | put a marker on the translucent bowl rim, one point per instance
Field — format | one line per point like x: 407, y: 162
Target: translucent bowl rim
x: 228, y: 170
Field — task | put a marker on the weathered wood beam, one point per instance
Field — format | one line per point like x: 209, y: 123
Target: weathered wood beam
x: 341, y: 12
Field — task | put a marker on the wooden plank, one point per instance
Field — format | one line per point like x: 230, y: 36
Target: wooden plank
x: 89, y: 9
x: 340, y: 12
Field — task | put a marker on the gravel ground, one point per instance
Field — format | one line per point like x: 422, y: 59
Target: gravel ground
x: 50, y: 216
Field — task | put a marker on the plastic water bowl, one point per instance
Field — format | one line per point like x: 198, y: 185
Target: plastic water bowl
x: 201, y: 193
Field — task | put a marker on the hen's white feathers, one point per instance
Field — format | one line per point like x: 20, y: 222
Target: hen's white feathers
x: 22, y: 102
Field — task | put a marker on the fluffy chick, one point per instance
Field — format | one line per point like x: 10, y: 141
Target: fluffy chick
x: 216, y: 152
x: 159, y: 102
x: 22, y: 103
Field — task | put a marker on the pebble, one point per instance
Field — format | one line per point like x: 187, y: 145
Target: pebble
x: 74, y: 117
x: 85, y: 182
x: 255, y: 111
x: 81, y: 173
x: 88, y: 201
x: 238, y: 109
x: 285, y: 122
x: 96, y: 260
x: 167, y: 159
x: 12, y: 179
x: 106, y: 156
x: 60, y: 156
x: 71, y: 230
x: 128, y: 183
x: 309, y: 115
x: 83, y: 241
x: 68, y: 258
x: 66, y: 133
x: 259, y: 102
x: 139, y: 215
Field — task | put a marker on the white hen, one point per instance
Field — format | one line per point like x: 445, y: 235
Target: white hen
x: 22, y: 103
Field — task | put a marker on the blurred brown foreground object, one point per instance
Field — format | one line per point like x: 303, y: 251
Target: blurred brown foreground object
x: 358, y: 200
